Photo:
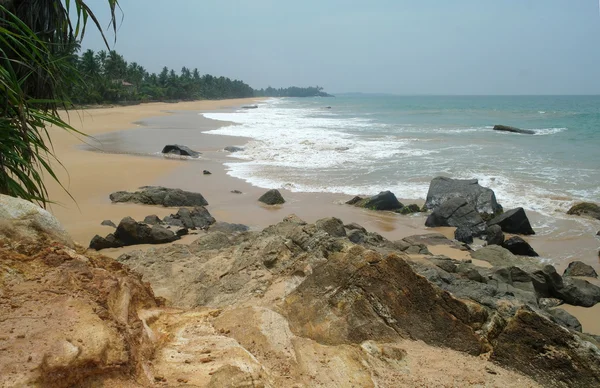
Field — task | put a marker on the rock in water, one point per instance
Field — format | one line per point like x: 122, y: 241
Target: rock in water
x: 441, y: 189
x: 176, y: 149
x: 386, y: 200
x: 28, y: 221
x: 409, y: 209
x: 578, y: 268
x: 272, y: 197
x: 506, y: 128
x: 233, y: 149
x: 108, y: 223
x: 518, y: 246
x: 463, y: 234
x: 513, y: 221
x: 494, y: 234
x: 155, y: 195
x: 457, y: 212
x: 206, y: 172
x: 585, y: 209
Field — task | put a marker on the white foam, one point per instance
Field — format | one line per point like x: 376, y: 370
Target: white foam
x: 548, y: 131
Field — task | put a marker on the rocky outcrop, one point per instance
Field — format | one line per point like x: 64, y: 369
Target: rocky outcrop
x: 332, y: 226
x: 578, y: 268
x: 463, y: 234
x: 494, y: 235
x: 272, y: 197
x: 386, y: 200
x: 442, y: 189
x: 155, y: 195
x: 457, y: 212
x: 130, y: 232
x: 195, y: 218
x: 409, y: 209
x: 577, y: 292
x: 506, y: 128
x: 587, y: 209
x: 517, y: 246
x: 175, y: 149
x: 513, y: 221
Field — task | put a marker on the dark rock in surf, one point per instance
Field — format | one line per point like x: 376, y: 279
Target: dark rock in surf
x: 233, y: 149
x: 457, y: 212
x: 578, y: 268
x: 156, y: 195
x: 272, y: 197
x: 463, y: 234
x: 517, y: 246
x: 441, y: 189
x: 585, y: 209
x: 513, y: 221
x: 506, y: 128
x: 354, y: 200
x: 494, y: 235
x: 235, y: 192
x: 176, y: 149
x: 386, y: 200
x: 250, y: 107
x: 409, y: 209
x: 206, y: 172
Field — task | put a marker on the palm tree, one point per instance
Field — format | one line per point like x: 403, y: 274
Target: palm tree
x: 37, y: 40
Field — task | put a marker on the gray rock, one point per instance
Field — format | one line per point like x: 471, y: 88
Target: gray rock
x: 386, y: 200
x: 513, y: 221
x: 578, y: 268
x: 235, y: 192
x: 24, y: 219
x: 496, y: 256
x: 233, y: 149
x: 153, y: 195
x: 517, y: 246
x: 161, y: 235
x: 355, y: 226
x: 548, y: 303
x: 108, y: 223
x: 152, y: 220
x: 196, y: 218
x: 272, y: 197
x: 170, y: 220
x: 99, y: 242
x: 463, y: 234
x: 182, y: 150
x: 216, y: 240
x: 577, y: 292
x: 333, y: 226
x: 494, y: 234
x: 457, y: 212
x: 228, y: 228
x: 206, y: 172
x: 130, y: 232
x: 354, y: 200
x: 565, y: 319
x: 441, y: 189
x: 357, y: 236
x: 506, y: 128
x: 588, y: 209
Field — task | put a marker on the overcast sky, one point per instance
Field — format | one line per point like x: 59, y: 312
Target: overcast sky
x: 387, y: 46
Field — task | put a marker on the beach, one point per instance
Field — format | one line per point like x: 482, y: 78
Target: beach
x: 122, y: 152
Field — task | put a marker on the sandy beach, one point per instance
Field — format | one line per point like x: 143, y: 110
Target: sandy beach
x: 122, y: 153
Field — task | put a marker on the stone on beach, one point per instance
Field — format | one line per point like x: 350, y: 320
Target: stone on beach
x: 176, y: 149
x: 441, y: 189
x: 385, y: 200
x: 578, y: 268
x: 463, y: 234
x: 585, y: 209
x: 457, y: 212
x: 156, y: 195
x: 494, y: 235
x: 108, y: 223
x: 233, y: 149
x: 513, y: 221
x: 272, y: 197
x: 506, y: 128
x: 518, y: 246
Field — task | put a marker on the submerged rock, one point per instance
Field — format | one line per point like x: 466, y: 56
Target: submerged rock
x: 182, y: 150
x: 506, y: 128
x: 442, y: 189
x: 233, y: 149
x: 155, y: 195
x: 578, y: 268
x: 585, y: 209
x: 513, y: 221
x: 518, y: 246
x: 409, y: 209
x: 457, y: 212
x: 272, y: 197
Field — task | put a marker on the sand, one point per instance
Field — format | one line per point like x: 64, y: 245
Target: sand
x: 119, y: 156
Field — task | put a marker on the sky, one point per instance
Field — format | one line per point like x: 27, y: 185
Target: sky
x: 448, y: 47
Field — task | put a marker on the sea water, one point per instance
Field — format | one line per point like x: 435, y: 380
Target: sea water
x: 367, y: 144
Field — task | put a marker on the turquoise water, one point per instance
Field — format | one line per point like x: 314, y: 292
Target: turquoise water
x: 365, y: 144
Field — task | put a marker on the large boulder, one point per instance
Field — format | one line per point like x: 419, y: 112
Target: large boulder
x: 441, y: 189
x: 513, y: 221
x: 176, y: 149
x: 386, y: 200
x: 585, y: 209
x: 518, y: 246
x: 333, y: 226
x: 110, y: 241
x: 494, y: 235
x: 463, y: 234
x: 130, y: 232
x: 272, y: 197
x: 577, y: 292
x: 21, y: 219
x: 156, y: 195
x: 578, y: 268
x: 196, y: 218
x: 562, y: 317
x: 457, y: 212
x: 506, y: 128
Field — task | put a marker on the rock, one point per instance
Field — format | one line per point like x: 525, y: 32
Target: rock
x: 494, y: 235
x: 152, y: 220
x: 457, y: 212
x: 182, y: 232
x: 441, y: 189
x: 354, y: 200
x: 272, y: 197
x: 196, y: 218
x: 548, y: 303
x: 517, y: 246
x: 108, y: 223
x: 333, y: 226
x: 172, y: 221
x: 99, y: 242
x: 578, y: 268
x: 130, y: 232
x: 161, y: 235
x: 235, y: 192
x: 357, y: 236
x: 355, y: 226
x: 409, y: 209
x: 27, y: 221
x: 233, y: 149
x: 250, y: 107
x: 176, y: 149
x: 206, y: 172
x: 565, y: 319
x: 228, y: 228
x: 211, y: 241
x: 577, y: 292
x: 496, y: 256
x: 585, y: 209
x: 153, y: 195
x: 506, y: 128
x: 513, y: 221
x: 463, y: 234
x: 294, y: 219
x: 386, y: 200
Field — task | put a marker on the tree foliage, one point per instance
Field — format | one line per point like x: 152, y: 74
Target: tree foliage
x: 293, y: 91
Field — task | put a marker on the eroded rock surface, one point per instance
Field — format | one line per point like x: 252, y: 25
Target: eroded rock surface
x: 442, y: 189
x: 155, y: 195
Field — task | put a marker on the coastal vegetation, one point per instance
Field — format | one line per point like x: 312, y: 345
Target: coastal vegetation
x: 293, y: 91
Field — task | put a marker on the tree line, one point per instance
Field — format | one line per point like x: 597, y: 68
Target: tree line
x: 294, y: 91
